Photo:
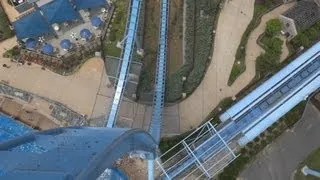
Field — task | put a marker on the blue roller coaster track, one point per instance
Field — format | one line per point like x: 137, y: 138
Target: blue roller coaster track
x: 126, y: 56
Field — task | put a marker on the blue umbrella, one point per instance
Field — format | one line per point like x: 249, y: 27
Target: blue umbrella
x: 86, y: 34
x: 96, y: 21
x: 47, y: 48
x: 31, y: 43
x: 65, y: 44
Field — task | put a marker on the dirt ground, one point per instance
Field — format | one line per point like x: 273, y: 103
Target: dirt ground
x: 175, y: 58
x: 233, y: 20
x: 27, y: 113
x: 78, y: 91
x: 135, y: 168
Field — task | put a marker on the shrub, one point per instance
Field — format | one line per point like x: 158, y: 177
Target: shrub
x: 303, y: 38
x: 273, y: 27
x: 11, y: 53
x: 257, y: 139
x: 5, y: 31
x: 269, y: 138
x: 263, y: 143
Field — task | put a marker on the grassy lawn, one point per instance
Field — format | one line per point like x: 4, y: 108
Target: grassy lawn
x: 313, y: 162
x: 5, y: 31
x: 259, y: 10
x: 117, y: 29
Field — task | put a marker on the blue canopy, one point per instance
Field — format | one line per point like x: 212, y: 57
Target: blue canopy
x: 59, y: 11
x: 85, y: 4
x: 96, y: 21
x: 65, y: 44
x: 32, y: 25
x: 47, y: 48
x: 31, y: 43
x: 86, y: 34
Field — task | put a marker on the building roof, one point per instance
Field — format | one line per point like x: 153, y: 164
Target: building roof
x: 59, y: 11
x: 85, y: 4
x: 304, y: 14
x: 32, y: 26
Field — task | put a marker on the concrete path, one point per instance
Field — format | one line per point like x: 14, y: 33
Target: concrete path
x: 279, y: 160
x: 233, y: 21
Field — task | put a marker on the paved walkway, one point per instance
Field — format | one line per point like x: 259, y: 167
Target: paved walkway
x: 233, y: 20
x: 279, y: 160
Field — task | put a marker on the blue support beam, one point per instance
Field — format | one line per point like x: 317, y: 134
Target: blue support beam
x: 159, y: 88
x: 131, y: 32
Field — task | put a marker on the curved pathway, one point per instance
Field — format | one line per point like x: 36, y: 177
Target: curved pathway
x: 233, y: 20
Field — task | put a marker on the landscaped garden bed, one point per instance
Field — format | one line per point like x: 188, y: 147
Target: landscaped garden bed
x: 5, y: 31
x: 260, y: 8
x: 201, y: 17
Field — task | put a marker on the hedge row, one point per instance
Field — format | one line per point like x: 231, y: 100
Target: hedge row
x: 200, y: 18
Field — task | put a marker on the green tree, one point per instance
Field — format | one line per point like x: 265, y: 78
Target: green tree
x: 312, y: 33
x: 273, y: 27
x: 304, y: 40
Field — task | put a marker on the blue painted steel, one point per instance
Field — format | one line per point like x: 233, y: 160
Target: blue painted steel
x: 159, y: 89
x: 307, y: 171
x: 131, y: 32
x: 85, y: 34
x: 47, y: 48
x: 96, y: 21
x: 59, y: 11
x: 65, y: 44
x: 31, y: 43
x: 72, y: 153
x: 298, y: 79
x: 32, y: 25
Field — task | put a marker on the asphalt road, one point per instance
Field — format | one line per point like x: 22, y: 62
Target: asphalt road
x: 279, y: 160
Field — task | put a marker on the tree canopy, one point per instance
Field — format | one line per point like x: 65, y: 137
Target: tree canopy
x: 273, y: 27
